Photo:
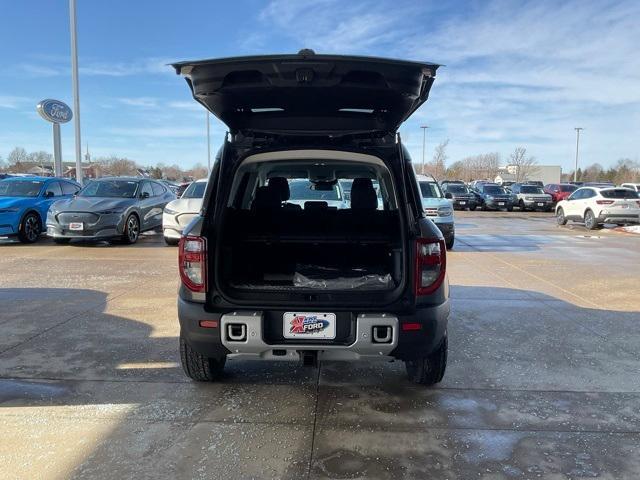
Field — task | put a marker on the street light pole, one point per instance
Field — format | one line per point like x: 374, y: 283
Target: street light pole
x: 75, y: 88
x: 424, y: 143
x: 208, y: 145
x: 575, y: 171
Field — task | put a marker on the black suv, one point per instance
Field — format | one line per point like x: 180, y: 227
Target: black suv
x: 460, y: 195
x: 266, y: 276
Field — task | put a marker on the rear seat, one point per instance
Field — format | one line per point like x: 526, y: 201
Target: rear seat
x: 271, y: 220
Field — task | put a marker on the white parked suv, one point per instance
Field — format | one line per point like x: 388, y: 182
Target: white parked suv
x: 633, y: 186
x: 595, y: 206
x: 178, y: 213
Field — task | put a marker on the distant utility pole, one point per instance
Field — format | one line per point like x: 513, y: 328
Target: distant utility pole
x: 575, y: 171
x: 424, y: 143
x: 208, y: 145
x: 75, y: 87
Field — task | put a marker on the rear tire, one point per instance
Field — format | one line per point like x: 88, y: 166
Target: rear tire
x: 197, y: 366
x: 560, y: 218
x: 472, y: 208
x: 429, y: 370
x: 30, y: 228
x: 590, y: 220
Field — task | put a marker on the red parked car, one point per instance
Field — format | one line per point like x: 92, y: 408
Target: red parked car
x: 559, y: 191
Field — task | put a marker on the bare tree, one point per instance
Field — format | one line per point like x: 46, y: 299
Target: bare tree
x: 117, y: 166
x: 523, y: 166
x: 17, y: 155
x: 436, y: 167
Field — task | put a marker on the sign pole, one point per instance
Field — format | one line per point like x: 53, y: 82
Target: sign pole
x: 75, y: 87
x: 57, y: 150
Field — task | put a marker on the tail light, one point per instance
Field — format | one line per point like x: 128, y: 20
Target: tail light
x: 638, y: 202
x: 431, y: 260
x: 604, y: 202
x: 192, y: 259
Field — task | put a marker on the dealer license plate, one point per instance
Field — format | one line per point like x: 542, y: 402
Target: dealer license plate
x: 77, y: 226
x: 309, y: 325
x: 500, y: 203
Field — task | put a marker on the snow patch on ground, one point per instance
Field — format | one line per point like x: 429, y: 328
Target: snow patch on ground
x: 632, y: 229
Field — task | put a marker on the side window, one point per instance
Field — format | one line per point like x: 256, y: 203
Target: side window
x: 157, y: 189
x: 588, y: 193
x: 54, y: 187
x: 69, y: 188
x: 577, y: 195
x: 146, y: 188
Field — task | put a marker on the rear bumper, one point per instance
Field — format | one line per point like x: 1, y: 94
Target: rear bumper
x: 402, y: 344
x: 618, y: 218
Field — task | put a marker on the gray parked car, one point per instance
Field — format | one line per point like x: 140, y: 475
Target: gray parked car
x: 109, y: 208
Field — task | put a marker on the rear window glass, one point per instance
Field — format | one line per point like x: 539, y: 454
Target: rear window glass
x: 619, y: 193
x: 568, y: 188
x: 305, y: 190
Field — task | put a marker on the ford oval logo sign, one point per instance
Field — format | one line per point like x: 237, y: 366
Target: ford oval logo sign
x: 54, y: 111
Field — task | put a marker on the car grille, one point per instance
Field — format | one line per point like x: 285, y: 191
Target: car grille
x: 84, y: 217
x: 431, y: 212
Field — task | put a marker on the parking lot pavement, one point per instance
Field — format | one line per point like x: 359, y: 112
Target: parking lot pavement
x: 542, y: 379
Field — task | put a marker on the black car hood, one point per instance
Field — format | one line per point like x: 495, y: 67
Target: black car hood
x: 94, y: 204
x: 309, y: 93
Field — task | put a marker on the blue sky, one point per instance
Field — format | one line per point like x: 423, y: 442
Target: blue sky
x: 517, y: 73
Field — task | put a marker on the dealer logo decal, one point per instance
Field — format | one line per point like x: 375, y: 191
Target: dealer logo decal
x: 307, y: 324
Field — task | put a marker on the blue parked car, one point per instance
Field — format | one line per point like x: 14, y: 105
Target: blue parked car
x: 24, y: 202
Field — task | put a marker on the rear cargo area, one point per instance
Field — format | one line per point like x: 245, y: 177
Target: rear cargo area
x: 279, y: 249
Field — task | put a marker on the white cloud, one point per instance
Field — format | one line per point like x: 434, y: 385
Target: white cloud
x: 13, y: 101
x: 517, y: 73
x: 146, y: 102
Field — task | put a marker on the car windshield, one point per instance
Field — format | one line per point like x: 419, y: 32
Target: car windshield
x: 305, y: 190
x: 568, y: 188
x: 430, y: 190
x: 20, y: 188
x: 493, y: 190
x: 110, y: 188
x: 195, y: 190
x: 456, y: 188
x: 530, y: 189
x: 622, y: 193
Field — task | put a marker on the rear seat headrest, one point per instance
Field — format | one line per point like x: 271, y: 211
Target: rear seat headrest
x: 281, y: 185
x: 266, y: 198
x: 363, y: 195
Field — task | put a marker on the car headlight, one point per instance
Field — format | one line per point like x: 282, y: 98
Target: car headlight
x: 169, y: 211
x: 489, y: 197
x: 9, y: 210
x: 445, y: 211
x: 528, y: 198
